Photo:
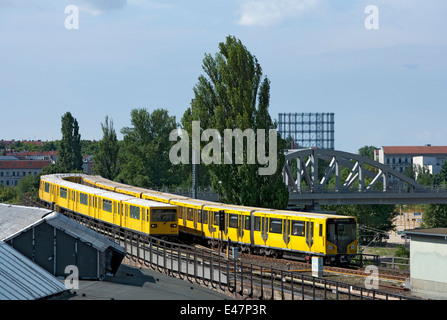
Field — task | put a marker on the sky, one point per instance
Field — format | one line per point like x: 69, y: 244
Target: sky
x: 383, y: 73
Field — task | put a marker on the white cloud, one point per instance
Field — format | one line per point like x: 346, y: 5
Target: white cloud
x: 96, y: 7
x: 270, y: 12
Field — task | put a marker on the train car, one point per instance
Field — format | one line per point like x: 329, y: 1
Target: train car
x: 149, y: 217
x: 299, y: 235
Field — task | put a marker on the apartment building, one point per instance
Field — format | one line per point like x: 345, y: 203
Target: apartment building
x: 400, y: 157
x: 12, y: 169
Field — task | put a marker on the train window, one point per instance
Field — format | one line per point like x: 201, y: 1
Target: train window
x: 216, y: 218
x: 107, y: 205
x: 257, y: 223
x: 47, y: 187
x: 189, y: 214
x: 321, y: 230
x: 163, y: 215
x: 275, y: 226
x: 247, y: 223
x: 232, y: 221
x: 298, y: 228
x: 204, y: 216
x: 83, y: 198
x: 199, y: 216
x: 134, y: 212
x: 63, y: 193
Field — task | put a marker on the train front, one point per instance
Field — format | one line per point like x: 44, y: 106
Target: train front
x: 164, y: 222
x: 341, y: 239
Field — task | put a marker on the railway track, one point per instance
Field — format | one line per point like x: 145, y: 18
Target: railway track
x: 251, y: 271
x: 388, y: 280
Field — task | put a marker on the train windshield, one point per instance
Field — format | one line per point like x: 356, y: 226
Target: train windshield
x: 341, y: 232
x: 163, y: 215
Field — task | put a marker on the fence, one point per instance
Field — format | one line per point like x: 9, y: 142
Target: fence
x: 240, y: 280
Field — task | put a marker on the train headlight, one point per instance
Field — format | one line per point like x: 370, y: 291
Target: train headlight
x: 154, y: 225
x: 173, y: 225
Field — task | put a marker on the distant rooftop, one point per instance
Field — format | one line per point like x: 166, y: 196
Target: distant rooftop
x: 415, y: 149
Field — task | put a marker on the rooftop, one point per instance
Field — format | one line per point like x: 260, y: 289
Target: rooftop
x: 415, y: 150
x: 430, y: 232
x: 24, y: 164
x: 134, y: 283
x: 22, y: 279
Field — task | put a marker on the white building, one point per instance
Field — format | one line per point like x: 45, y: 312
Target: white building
x: 428, y: 260
x: 400, y: 157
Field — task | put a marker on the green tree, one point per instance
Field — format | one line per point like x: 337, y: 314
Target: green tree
x: 423, y: 175
x: 143, y: 157
x: 234, y: 95
x: 70, y: 157
x: 441, y: 177
x: 7, y: 194
x: 106, y: 155
x: 435, y: 216
x: 367, y: 151
x: 28, y: 185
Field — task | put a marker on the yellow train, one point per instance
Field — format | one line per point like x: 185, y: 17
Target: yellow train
x: 265, y: 231
x: 64, y: 193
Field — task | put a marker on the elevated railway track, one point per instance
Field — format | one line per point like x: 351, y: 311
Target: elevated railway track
x: 238, y: 279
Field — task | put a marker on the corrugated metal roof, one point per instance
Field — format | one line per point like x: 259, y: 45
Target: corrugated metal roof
x: 17, y: 218
x: 22, y: 279
x: 77, y: 230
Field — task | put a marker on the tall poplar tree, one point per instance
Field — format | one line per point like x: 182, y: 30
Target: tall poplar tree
x: 106, y: 155
x: 70, y: 157
x: 233, y: 94
x: 144, y: 153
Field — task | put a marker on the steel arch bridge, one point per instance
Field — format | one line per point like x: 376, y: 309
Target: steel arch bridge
x: 366, y: 182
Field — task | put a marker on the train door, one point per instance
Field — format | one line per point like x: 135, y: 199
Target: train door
x: 286, y: 232
x: 234, y: 227
x: 77, y: 202
x: 309, y: 235
x: 116, y: 212
x: 260, y: 232
x: 241, y: 224
x: 145, y: 219
x: 211, y: 224
x: 125, y: 215
x: 318, y: 237
x: 90, y: 206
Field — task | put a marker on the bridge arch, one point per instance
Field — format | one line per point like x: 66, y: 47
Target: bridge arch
x: 368, y: 181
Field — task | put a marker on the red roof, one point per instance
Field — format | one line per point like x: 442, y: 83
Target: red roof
x: 24, y: 164
x: 415, y: 150
x: 33, y: 153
